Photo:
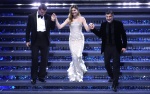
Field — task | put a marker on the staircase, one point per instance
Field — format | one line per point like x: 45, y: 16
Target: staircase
x: 15, y: 57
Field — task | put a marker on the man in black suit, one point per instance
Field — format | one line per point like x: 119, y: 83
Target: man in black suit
x: 39, y: 25
x: 114, y: 42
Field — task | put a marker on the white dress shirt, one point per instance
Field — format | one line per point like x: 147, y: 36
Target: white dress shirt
x: 40, y: 24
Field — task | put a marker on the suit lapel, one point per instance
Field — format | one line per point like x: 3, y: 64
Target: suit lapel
x: 107, y: 28
x: 112, y: 27
x: 35, y: 21
x: 45, y: 17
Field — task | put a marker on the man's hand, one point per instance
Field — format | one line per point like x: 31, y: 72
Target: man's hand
x: 123, y: 49
x: 91, y: 26
x: 28, y: 44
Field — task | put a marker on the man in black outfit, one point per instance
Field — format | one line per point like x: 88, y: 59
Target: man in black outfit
x: 114, y: 42
x: 39, y: 25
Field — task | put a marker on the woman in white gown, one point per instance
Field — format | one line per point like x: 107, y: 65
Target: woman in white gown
x: 76, y: 42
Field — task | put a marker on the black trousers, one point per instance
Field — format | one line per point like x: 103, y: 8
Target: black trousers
x: 111, y: 52
x: 41, y: 45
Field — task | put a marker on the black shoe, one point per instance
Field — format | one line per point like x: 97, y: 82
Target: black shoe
x: 114, y: 88
x: 110, y: 80
x: 42, y: 80
x: 33, y: 81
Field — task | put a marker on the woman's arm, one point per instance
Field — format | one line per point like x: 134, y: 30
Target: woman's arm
x: 85, y: 24
x: 60, y: 26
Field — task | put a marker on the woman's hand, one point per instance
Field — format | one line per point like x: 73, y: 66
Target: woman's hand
x: 91, y: 26
x: 53, y: 17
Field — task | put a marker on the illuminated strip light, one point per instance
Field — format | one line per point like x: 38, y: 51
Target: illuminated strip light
x: 19, y: 4
x: 109, y: 4
x: 35, y: 4
x: 64, y: 4
x: 130, y: 7
x: 57, y: 4
x: 47, y: 4
x: 131, y: 3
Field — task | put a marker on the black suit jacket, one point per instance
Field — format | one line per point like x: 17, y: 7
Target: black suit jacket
x: 32, y: 27
x: 119, y: 35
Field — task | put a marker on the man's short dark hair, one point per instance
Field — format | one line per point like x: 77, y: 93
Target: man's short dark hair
x: 109, y: 12
x: 42, y: 6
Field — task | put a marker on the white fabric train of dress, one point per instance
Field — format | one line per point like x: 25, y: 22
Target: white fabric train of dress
x: 77, y: 67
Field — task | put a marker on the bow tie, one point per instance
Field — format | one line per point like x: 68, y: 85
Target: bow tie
x: 39, y: 16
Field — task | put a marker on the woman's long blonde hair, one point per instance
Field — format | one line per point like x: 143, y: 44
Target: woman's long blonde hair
x: 70, y: 16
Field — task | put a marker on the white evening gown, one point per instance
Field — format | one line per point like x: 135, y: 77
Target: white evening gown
x: 76, y: 44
